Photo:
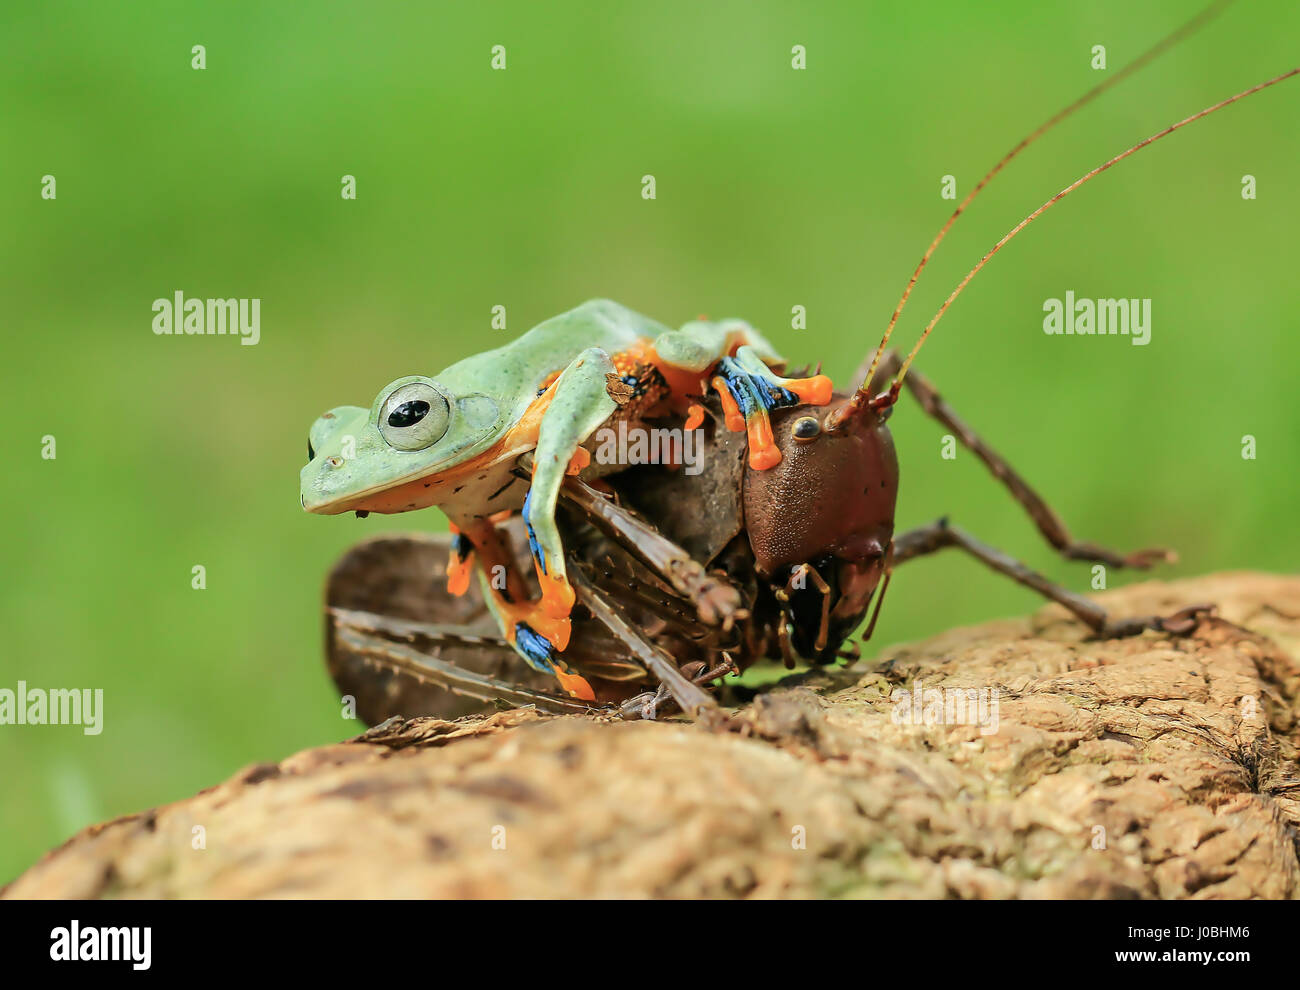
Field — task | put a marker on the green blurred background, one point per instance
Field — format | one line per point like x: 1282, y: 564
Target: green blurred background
x: 522, y: 188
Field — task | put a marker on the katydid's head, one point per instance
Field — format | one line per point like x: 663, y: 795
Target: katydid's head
x: 828, y: 506
x: 387, y: 458
x: 832, y: 493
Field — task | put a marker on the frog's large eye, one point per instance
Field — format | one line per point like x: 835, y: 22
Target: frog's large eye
x: 414, y: 416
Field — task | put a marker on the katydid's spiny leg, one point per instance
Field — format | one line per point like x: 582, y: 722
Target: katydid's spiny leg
x: 647, y: 704
x: 940, y: 535
x: 690, y: 697
x: 425, y: 667
x: 716, y: 600
x: 1047, y: 521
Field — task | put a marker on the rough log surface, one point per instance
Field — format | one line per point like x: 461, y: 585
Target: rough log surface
x: 1143, y: 746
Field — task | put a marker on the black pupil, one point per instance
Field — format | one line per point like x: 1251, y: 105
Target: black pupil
x: 806, y: 428
x: 408, y: 413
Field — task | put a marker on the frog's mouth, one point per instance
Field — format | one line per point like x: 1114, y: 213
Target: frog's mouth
x: 431, y: 486
x: 351, y: 452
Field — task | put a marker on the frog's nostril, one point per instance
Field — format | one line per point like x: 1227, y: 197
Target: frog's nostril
x: 334, y: 461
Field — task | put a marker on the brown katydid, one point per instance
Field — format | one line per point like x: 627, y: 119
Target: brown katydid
x: 812, y: 575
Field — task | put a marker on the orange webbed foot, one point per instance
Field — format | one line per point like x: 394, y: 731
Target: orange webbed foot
x: 575, y: 684
x: 815, y: 391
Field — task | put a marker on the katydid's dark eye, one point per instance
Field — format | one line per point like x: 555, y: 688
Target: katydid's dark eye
x: 806, y: 428
x: 408, y: 413
x: 414, y: 416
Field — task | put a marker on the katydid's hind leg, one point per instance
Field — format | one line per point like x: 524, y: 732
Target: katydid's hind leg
x: 940, y: 535
x: 378, y: 657
x: 1047, y: 521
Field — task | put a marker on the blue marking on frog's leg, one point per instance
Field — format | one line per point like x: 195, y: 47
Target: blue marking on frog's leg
x: 520, y: 621
x: 816, y: 391
x: 461, y: 546
x: 750, y: 390
x: 535, y: 648
x: 533, y: 546
x: 754, y: 391
x: 542, y: 655
x: 460, y: 563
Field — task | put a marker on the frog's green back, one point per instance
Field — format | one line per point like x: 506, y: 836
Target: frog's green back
x: 514, y: 370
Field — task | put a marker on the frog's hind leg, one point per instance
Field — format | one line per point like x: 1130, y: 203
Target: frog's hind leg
x: 696, y: 347
x: 535, y: 636
x: 749, y: 390
x: 734, y: 359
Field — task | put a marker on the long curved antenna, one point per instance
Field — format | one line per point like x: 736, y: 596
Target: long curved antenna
x: 1206, y: 15
x: 902, y: 372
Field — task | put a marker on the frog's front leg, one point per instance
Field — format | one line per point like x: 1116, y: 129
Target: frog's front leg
x: 581, y: 403
x: 540, y: 630
x: 535, y: 635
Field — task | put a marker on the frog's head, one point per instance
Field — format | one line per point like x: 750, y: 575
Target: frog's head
x: 367, y: 459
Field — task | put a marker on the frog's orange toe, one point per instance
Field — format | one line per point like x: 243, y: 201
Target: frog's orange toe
x: 461, y: 563
x: 575, y: 684
x: 764, y: 458
x: 816, y: 391
x: 763, y: 451
x: 458, y: 577
x: 557, y: 596
x: 730, y: 408
x: 557, y: 631
x: 580, y: 460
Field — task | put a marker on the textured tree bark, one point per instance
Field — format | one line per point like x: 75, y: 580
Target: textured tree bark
x: 1145, y: 767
